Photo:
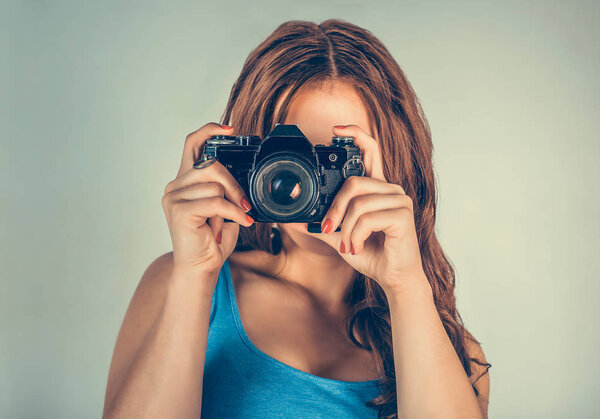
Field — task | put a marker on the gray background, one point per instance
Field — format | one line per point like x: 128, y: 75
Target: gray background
x: 97, y: 98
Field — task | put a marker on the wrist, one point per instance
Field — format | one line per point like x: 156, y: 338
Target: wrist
x: 203, y: 282
x: 414, y: 287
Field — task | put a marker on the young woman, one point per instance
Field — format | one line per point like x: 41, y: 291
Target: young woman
x: 359, y: 322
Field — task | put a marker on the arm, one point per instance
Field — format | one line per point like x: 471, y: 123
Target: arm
x: 430, y: 379
x: 158, y: 361
x: 480, y: 376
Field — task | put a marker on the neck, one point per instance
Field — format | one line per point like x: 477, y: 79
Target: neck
x: 315, y: 268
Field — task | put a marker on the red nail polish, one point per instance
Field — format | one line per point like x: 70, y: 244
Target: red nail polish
x: 352, y: 249
x: 226, y: 126
x: 326, y: 227
x: 245, y: 204
x: 250, y: 219
x: 340, y: 126
x: 342, y: 248
x: 218, y: 238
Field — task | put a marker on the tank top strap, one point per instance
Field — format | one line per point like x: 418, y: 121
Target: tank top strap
x: 220, y: 298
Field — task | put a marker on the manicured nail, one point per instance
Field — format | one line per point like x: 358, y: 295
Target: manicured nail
x: 326, y: 227
x: 245, y: 204
x: 352, y: 249
x: 340, y: 126
x: 342, y: 248
x: 250, y: 219
x: 218, y: 238
x: 226, y: 126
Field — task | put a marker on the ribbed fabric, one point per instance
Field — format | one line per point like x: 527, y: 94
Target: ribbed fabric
x: 241, y: 381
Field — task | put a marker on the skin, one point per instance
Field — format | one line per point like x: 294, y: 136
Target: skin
x: 304, y: 284
x: 379, y: 228
x: 310, y: 263
x: 303, y: 272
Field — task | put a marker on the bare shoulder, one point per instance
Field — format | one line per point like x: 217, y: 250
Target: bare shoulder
x: 480, y: 376
x: 143, y: 309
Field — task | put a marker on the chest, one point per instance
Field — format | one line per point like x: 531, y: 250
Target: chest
x: 287, y: 330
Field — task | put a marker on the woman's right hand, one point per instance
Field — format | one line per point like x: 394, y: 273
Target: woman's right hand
x: 198, y: 195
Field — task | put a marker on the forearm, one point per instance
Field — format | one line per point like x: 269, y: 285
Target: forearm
x: 165, y: 379
x: 430, y: 379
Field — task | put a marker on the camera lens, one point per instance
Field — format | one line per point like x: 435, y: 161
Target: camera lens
x: 285, y: 187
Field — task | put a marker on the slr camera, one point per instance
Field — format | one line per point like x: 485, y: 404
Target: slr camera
x: 285, y: 177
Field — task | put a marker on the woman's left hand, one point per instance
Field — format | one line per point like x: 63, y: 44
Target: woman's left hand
x: 378, y: 236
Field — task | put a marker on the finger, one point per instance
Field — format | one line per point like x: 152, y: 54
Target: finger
x: 216, y: 224
x: 216, y: 172
x: 202, y: 190
x: 195, y: 140
x: 210, y: 207
x: 196, y: 191
x: 385, y: 220
x: 363, y: 204
x: 353, y: 186
x: 371, y: 153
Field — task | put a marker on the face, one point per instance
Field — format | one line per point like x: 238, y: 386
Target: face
x: 316, y: 111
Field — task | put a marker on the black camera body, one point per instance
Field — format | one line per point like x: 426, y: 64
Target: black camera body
x: 285, y: 177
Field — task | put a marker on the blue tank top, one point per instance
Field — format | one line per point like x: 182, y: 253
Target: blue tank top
x: 241, y: 381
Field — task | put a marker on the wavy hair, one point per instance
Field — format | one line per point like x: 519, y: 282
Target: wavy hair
x: 299, y: 54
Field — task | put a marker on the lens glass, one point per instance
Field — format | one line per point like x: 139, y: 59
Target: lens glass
x: 285, y: 187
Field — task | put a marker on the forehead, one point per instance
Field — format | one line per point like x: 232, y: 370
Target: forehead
x: 317, y: 108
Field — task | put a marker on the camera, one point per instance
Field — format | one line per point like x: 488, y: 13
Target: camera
x: 286, y: 178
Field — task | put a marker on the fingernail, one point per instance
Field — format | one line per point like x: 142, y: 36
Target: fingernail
x: 342, y: 248
x: 326, y: 227
x: 218, y: 238
x: 250, y: 219
x: 352, y: 249
x: 245, y: 204
x: 340, y: 126
x: 226, y: 126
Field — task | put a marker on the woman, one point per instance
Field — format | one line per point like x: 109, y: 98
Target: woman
x: 321, y: 318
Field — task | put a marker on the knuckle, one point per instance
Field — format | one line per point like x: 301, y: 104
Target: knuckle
x: 405, y: 217
x: 407, y: 201
x: 165, y: 200
x: 169, y: 186
x: 189, y: 137
x: 218, y: 204
x: 364, y: 219
x: 406, y: 211
x: 352, y: 182
x: 354, y: 204
x: 219, y: 188
x: 212, y: 202
x: 236, y: 188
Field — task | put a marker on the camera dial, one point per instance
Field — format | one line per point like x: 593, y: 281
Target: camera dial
x: 342, y: 141
x: 248, y: 139
x: 221, y: 139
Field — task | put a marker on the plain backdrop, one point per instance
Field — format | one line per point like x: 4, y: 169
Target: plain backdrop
x: 96, y: 100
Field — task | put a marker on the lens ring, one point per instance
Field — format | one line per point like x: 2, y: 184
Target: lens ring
x: 261, y: 182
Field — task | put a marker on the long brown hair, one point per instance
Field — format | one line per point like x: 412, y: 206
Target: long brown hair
x: 300, y: 53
